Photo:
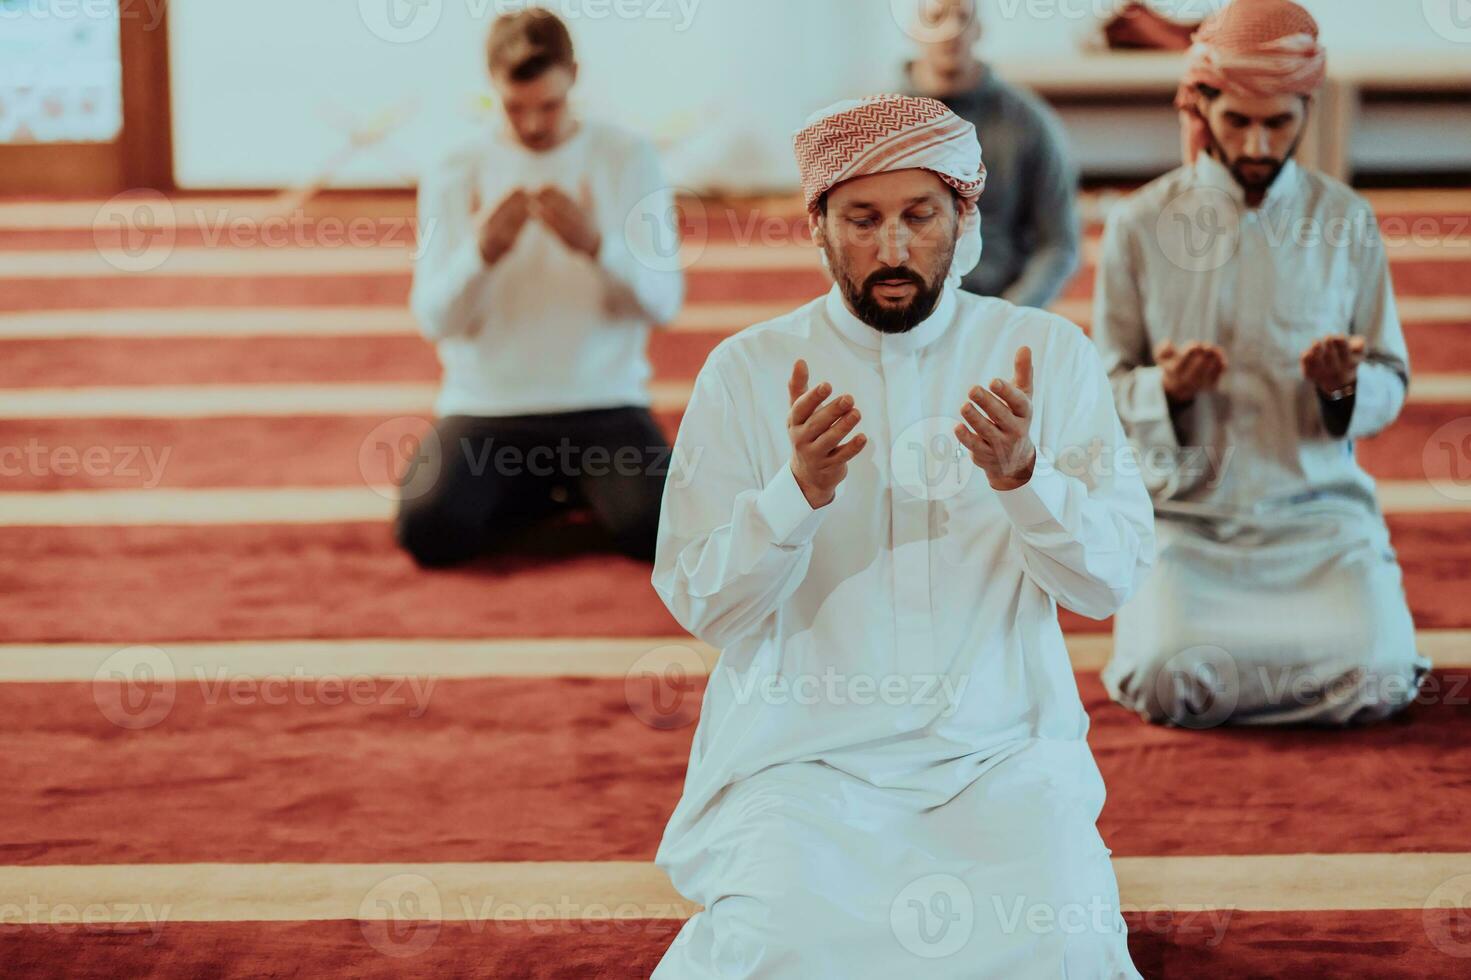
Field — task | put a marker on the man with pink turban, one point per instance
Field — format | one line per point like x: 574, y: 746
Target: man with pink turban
x: 890, y: 775
x: 1246, y: 317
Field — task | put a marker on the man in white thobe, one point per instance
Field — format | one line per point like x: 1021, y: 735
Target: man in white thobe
x: 890, y: 775
x: 1246, y: 317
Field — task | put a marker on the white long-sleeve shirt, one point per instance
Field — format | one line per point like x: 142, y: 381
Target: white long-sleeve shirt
x: 532, y: 334
x: 906, y: 632
x: 1185, y: 260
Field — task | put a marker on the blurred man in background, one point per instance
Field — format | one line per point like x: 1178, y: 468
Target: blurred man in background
x: 1245, y: 313
x: 1031, y: 219
x: 543, y: 266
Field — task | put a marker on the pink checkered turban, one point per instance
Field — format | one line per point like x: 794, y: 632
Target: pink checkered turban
x: 896, y: 132
x: 1251, y: 47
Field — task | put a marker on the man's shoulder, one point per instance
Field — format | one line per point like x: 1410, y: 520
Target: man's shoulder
x: 464, y: 154
x: 1022, y: 101
x: 611, y: 138
x: 1333, y: 194
x: 1148, y: 201
x: 1040, y: 329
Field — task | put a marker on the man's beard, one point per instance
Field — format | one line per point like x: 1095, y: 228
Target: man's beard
x: 887, y: 318
x: 1273, y: 165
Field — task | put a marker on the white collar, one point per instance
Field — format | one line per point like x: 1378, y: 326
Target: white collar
x: 1213, y: 173
x: 928, y: 330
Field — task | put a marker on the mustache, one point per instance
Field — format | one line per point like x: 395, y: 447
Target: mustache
x: 899, y: 272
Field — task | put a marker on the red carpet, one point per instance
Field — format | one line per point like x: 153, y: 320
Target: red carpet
x: 1434, y: 349
x: 516, y: 769
x: 361, y: 770
x: 1393, y: 945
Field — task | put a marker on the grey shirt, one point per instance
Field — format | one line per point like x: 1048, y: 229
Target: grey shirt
x: 1029, y: 214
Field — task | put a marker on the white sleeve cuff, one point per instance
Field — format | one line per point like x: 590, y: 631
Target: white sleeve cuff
x: 1041, y: 500
x: 784, y: 507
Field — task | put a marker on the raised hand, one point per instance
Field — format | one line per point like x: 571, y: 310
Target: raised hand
x: 571, y: 221
x: 817, y: 427
x: 501, y: 228
x: 1332, y: 363
x: 997, y: 427
x: 1189, y: 371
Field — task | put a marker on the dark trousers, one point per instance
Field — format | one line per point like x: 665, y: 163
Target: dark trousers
x: 476, y: 481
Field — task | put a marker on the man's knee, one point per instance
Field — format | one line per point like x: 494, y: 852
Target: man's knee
x: 1205, y: 686
x: 433, y: 537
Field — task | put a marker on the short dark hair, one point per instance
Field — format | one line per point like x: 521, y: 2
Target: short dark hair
x: 527, y: 44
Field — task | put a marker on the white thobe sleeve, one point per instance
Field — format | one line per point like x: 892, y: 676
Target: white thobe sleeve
x: 642, y: 249
x: 1123, y: 343
x: 450, y: 277
x: 732, y: 546
x: 1083, y: 525
x: 1384, y: 376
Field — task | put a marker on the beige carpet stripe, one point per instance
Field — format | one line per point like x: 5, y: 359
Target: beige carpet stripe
x: 398, y: 258
x: 371, y: 399
x: 307, y: 892
x: 212, y: 401
x: 207, y: 211
x: 1454, y: 248
x: 342, y: 260
x: 349, y: 321
x: 593, y: 657
x: 211, y: 211
x: 331, y: 321
x: 340, y: 505
x: 625, y: 889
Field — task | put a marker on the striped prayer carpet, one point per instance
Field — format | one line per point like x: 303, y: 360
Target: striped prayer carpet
x: 248, y: 738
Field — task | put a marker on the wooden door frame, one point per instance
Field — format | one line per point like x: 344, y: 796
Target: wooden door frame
x: 142, y: 155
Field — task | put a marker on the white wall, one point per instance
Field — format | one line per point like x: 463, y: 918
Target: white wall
x: 265, y: 91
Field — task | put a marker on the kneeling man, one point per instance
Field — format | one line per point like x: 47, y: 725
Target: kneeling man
x: 1246, y: 316
x: 890, y: 775
x: 541, y: 274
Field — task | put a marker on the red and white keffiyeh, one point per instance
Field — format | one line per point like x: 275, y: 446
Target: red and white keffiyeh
x: 1251, y: 47
x: 884, y: 133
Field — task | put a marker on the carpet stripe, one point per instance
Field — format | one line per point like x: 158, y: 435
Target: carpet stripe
x: 117, y: 361
x: 243, y: 582
x: 397, y: 259
x: 347, y: 321
x: 294, y: 768
x: 345, y: 398
x: 213, y: 210
x: 602, y: 657
x: 307, y: 892
x: 344, y: 505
